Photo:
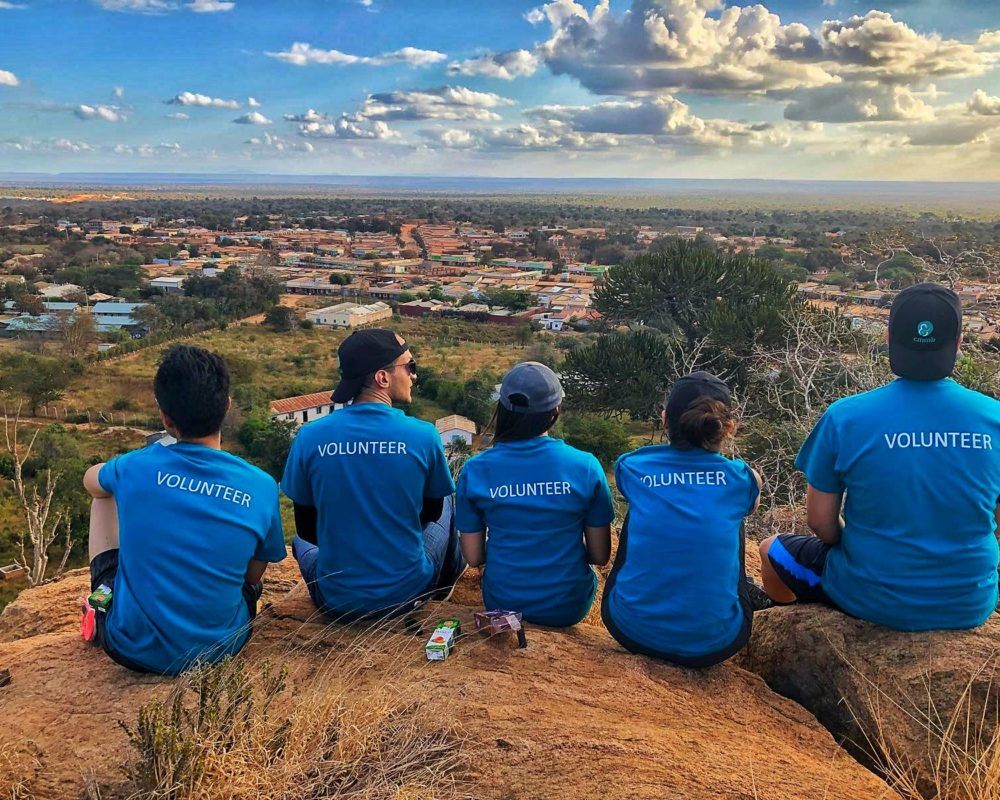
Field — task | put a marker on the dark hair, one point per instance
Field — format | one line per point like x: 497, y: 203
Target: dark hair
x: 511, y: 426
x: 192, y: 388
x: 706, y: 423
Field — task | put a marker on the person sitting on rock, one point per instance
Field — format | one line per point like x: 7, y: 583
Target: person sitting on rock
x: 678, y: 589
x: 534, y: 510
x: 181, y: 534
x: 372, y: 491
x: 915, y: 468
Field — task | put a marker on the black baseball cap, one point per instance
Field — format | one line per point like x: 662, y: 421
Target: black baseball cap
x: 925, y: 323
x: 361, y: 354
x: 689, y: 389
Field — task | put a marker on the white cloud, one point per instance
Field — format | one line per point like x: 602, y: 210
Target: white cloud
x: 535, y: 16
x: 148, y: 150
x: 179, y: 115
x: 7, y: 6
x: 309, y: 116
x: 984, y: 104
x: 101, y: 112
x: 857, y: 102
x: 346, y: 128
x: 445, y: 102
x: 253, y: 102
x: 118, y: 92
x: 506, y: 65
x: 253, y: 118
x: 8, y: 78
x: 27, y: 144
x: 271, y: 142
x: 137, y: 6
x: 209, y: 6
x: 524, y: 137
x: 989, y: 40
x: 202, y: 100
x: 948, y: 134
x: 830, y: 3
x: 302, y: 54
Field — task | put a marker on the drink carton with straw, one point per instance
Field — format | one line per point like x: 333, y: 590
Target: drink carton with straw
x: 442, y: 641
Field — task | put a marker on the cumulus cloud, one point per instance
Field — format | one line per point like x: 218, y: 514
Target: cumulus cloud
x: 253, y: 118
x: 179, y: 115
x: 989, y: 40
x: 202, y: 100
x: 268, y: 141
x: 700, y: 45
x: 948, y: 134
x: 857, y: 102
x: 524, y: 137
x: 209, y: 6
x: 27, y: 144
x: 302, y: 54
x: 506, y: 65
x: 101, y: 112
x: 346, y: 128
x: 309, y: 116
x: 984, y: 104
x: 535, y: 16
x: 8, y: 78
x: 253, y: 102
x: 445, y: 102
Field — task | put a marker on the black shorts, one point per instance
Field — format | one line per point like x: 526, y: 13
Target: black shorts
x: 103, y: 570
x: 799, y: 560
x: 706, y: 660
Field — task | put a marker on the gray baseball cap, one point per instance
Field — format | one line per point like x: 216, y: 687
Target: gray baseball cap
x: 530, y: 388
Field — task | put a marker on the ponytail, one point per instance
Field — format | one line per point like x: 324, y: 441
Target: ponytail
x: 706, y: 424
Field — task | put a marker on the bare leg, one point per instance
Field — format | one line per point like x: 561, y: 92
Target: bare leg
x: 773, y: 585
x: 103, y: 526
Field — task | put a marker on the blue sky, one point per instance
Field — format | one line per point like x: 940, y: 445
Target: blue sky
x: 618, y: 88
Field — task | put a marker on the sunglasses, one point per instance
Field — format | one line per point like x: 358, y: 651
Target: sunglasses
x: 410, y: 365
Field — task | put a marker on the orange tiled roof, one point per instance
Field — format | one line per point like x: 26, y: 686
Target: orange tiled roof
x: 290, y: 405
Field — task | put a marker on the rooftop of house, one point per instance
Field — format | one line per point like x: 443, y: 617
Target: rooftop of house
x: 455, y: 422
x: 290, y: 405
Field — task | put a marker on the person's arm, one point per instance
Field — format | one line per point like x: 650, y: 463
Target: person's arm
x: 93, y: 485
x: 598, y: 541
x: 823, y: 514
x: 432, y: 509
x: 474, y: 548
x: 305, y: 522
x: 255, y: 572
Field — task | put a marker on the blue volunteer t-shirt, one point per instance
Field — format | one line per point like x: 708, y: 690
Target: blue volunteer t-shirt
x: 534, y: 498
x: 367, y: 469
x: 190, y: 519
x: 920, y: 466
x: 675, y: 588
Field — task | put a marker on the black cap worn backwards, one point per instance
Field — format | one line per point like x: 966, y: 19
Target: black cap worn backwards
x: 691, y: 388
x: 925, y: 323
x: 361, y: 354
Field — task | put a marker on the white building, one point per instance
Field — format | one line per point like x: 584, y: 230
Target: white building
x: 169, y: 284
x: 350, y: 315
x: 455, y: 427
x: 304, y: 408
x: 57, y: 291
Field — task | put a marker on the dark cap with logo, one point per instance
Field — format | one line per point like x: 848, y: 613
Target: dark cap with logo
x: 691, y: 388
x: 530, y: 388
x: 361, y: 354
x: 925, y: 323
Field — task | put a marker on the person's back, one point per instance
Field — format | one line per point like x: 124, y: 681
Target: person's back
x: 366, y: 469
x: 678, y: 587
x: 545, y: 508
x: 917, y: 463
x: 180, y: 534
x: 372, y: 490
x: 190, y: 520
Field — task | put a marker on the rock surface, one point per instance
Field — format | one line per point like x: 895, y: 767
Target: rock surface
x: 868, y: 684
x: 572, y: 716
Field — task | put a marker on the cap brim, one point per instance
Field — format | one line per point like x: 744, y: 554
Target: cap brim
x: 347, y: 389
x: 931, y: 365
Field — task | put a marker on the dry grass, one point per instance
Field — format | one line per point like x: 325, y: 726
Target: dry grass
x: 235, y: 730
x: 17, y: 767
x: 956, y: 752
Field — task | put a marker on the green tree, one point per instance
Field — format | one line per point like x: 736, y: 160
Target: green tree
x: 266, y: 443
x: 37, y: 380
x: 605, y: 438
x: 280, y: 318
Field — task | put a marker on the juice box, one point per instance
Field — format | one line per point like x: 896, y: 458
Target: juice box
x: 100, y: 598
x: 439, y: 646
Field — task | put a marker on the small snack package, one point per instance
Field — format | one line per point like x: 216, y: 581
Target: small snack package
x: 498, y: 621
x: 100, y: 598
x: 442, y: 641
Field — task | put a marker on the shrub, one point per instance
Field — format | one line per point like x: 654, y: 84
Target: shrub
x: 121, y: 404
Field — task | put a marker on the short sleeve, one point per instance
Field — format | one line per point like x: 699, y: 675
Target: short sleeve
x: 468, y: 517
x: 295, y: 482
x: 602, y: 508
x: 109, y: 475
x: 620, y: 479
x: 272, y: 546
x: 818, y: 457
x: 753, y: 490
x: 439, y: 483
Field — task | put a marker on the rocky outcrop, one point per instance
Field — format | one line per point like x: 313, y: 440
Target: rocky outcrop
x: 572, y: 716
x: 920, y: 701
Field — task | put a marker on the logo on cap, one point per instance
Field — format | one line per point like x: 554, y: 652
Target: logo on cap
x: 925, y: 328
